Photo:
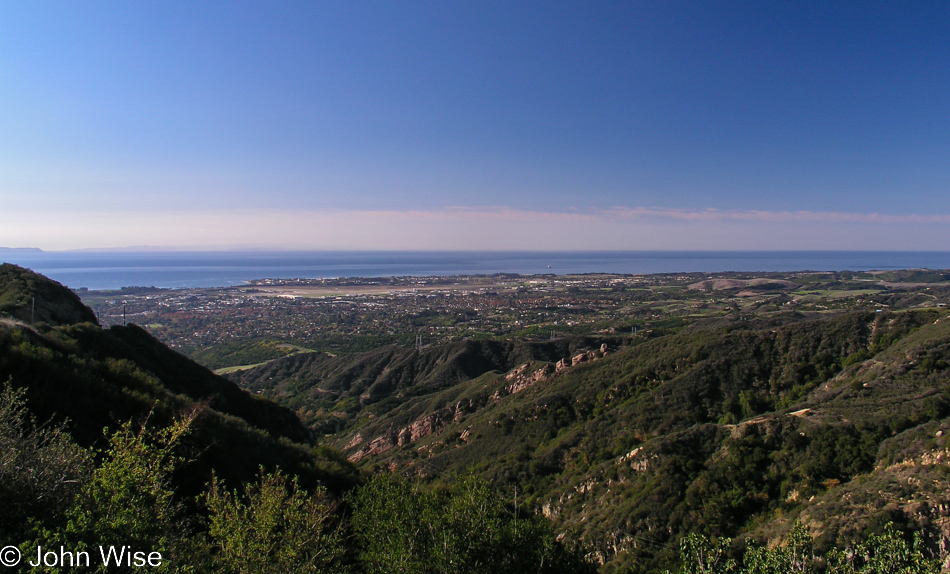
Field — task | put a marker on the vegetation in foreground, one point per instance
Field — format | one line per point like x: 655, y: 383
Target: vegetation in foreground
x: 125, y: 496
x: 714, y: 432
x: 389, y: 525
x: 726, y: 426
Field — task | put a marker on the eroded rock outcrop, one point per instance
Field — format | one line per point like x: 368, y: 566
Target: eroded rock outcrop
x: 420, y: 428
x: 516, y: 381
x: 519, y: 379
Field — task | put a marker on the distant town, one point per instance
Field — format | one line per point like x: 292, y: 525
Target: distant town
x: 354, y: 314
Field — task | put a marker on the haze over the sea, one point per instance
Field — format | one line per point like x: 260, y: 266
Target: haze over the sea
x: 423, y: 125
x: 114, y: 270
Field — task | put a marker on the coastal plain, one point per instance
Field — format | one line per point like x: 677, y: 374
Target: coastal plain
x: 622, y: 414
x: 237, y: 326
x: 629, y: 410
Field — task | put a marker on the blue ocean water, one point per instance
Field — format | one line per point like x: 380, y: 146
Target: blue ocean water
x: 113, y: 270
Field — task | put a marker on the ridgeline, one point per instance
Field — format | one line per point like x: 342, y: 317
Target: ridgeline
x: 726, y: 428
x: 634, y: 452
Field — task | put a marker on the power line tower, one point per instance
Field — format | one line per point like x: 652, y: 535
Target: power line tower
x: 418, y: 342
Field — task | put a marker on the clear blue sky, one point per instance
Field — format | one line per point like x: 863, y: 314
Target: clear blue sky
x: 592, y: 125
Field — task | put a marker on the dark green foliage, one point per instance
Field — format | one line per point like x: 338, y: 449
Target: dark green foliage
x: 690, y: 432
x: 273, y: 526
x: 41, y: 468
x: 405, y: 528
x: 380, y: 380
x: 28, y: 296
x: 103, y: 378
x: 840, y: 452
x: 696, y: 431
x: 731, y: 487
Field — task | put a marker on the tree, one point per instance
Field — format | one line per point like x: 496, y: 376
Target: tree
x: 884, y: 553
x: 701, y: 555
x: 794, y: 556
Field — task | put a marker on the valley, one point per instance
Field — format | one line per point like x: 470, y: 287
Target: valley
x: 629, y: 410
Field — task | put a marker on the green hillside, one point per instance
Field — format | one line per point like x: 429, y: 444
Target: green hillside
x: 698, y: 439
x: 98, y: 378
x: 725, y: 428
x: 108, y: 437
x: 27, y: 296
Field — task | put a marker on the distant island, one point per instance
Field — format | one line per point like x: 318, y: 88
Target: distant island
x: 21, y: 249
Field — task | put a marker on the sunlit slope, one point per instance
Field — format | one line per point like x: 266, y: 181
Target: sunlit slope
x: 28, y: 296
x: 726, y: 427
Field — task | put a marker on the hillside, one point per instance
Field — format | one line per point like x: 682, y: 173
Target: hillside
x: 95, y: 378
x: 109, y: 435
x: 726, y: 420
x: 27, y: 296
x: 381, y: 379
x: 729, y: 427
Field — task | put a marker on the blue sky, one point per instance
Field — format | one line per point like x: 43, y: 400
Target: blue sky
x: 475, y: 125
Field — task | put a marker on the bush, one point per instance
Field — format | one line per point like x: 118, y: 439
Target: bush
x: 405, y: 528
x: 41, y: 468
x: 275, y: 526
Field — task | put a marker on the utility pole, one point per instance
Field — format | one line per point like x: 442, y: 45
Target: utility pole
x: 123, y: 314
x: 33, y: 312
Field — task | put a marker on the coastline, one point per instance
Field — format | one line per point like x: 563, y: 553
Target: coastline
x: 180, y: 269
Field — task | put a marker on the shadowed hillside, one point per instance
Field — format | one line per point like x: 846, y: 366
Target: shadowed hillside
x: 96, y: 378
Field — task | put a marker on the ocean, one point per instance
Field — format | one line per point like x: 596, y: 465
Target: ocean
x: 113, y: 270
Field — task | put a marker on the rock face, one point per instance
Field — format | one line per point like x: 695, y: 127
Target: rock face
x: 519, y: 380
x: 420, y: 428
x: 586, y: 356
x: 516, y: 381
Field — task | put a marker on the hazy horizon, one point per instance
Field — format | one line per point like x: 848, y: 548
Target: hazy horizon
x: 494, y: 125
x: 235, y: 249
